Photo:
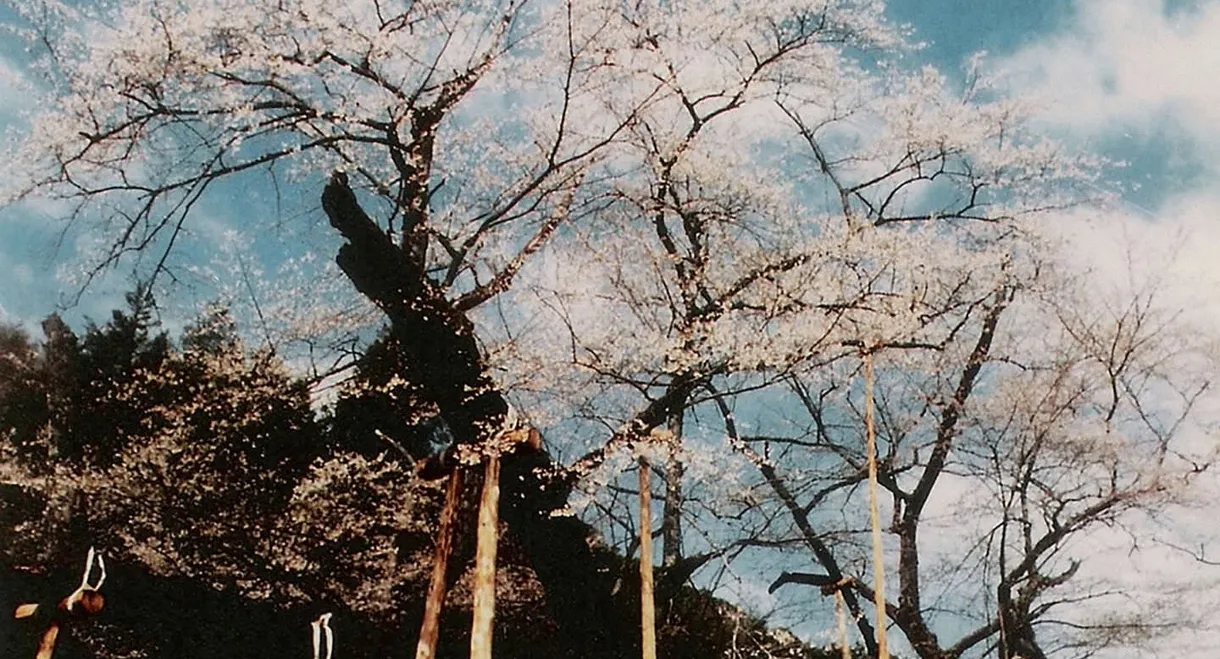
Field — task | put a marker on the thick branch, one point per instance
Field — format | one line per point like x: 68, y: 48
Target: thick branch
x: 910, y: 614
x: 810, y: 537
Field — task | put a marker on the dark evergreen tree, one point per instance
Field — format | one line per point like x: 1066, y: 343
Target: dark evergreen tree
x: 102, y: 417
x: 146, y: 442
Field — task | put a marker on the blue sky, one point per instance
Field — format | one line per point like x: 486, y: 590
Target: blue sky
x: 953, y: 29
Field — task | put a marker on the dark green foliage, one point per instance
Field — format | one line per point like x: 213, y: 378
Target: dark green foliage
x: 97, y: 419
x: 150, y: 430
x: 380, y: 411
x: 63, y: 402
x: 23, y: 401
x: 93, y: 396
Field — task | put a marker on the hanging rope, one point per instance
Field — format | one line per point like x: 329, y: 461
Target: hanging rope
x: 321, y: 631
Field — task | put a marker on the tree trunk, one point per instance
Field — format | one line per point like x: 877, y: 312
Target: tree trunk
x: 671, y: 520
x: 442, y: 357
x: 438, y: 342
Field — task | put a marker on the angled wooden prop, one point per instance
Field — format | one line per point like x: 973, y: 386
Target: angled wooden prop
x: 430, y: 630
x: 841, y: 619
x: 85, y: 601
x: 447, y: 464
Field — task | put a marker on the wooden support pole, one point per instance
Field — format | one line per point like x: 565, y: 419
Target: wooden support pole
x: 648, y: 616
x: 485, y: 562
x: 841, y: 619
x: 430, y: 629
x: 46, y: 646
x: 883, y: 651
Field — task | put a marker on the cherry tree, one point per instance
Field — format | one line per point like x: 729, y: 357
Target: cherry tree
x: 633, y: 216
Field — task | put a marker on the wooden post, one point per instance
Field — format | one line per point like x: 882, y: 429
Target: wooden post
x: 883, y: 651
x: 841, y: 618
x: 430, y: 629
x: 46, y: 646
x: 485, y: 561
x: 526, y: 439
x: 648, y: 627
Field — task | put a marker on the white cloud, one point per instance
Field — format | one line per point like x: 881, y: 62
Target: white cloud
x: 1168, y: 252
x: 1144, y: 69
x: 1127, y: 65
